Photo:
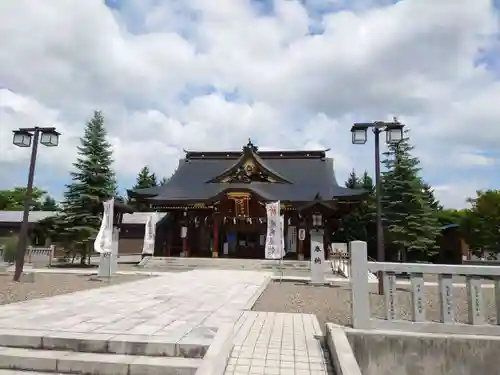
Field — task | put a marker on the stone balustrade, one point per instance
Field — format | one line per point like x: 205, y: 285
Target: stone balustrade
x: 477, y: 278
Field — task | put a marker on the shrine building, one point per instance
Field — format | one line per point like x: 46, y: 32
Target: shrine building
x: 215, y: 202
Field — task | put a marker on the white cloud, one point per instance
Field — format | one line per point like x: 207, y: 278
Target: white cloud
x: 415, y: 59
x: 456, y: 193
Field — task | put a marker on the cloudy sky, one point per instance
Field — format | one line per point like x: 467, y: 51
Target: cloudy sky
x: 208, y: 74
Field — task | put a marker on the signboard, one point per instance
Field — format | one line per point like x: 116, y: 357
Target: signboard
x: 317, y: 258
x: 184, y: 232
x: 302, y: 234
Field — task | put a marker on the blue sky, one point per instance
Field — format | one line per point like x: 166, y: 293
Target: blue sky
x: 193, y: 74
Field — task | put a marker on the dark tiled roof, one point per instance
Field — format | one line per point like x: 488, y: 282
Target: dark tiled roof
x: 309, y: 177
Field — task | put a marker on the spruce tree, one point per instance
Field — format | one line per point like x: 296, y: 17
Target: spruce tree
x: 431, y: 198
x: 359, y: 224
x: 145, y: 179
x: 93, y: 182
x: 49, y: 204
x: 411, y: 224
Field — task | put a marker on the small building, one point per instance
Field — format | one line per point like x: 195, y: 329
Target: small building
x: 215, y: 202
x: 131, y: 232
x: 452, y: 247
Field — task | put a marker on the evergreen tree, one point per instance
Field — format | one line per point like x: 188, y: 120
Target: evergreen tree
x: 145, y: 179
x: 49, y: 204
x: 93, y: 182
x: 360, y: 224
x: 352, y: 181
x: 431, y: 198
x: 412, y: 226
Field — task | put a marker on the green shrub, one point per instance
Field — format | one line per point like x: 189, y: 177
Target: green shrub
x: 9, y: 249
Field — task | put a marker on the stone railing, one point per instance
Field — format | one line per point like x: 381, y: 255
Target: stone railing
x: 339, y: 257
x: 40, y: 256
x: 475, y: 280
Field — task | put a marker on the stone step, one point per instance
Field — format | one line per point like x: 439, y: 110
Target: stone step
x: 21, y: 372
x: 146, y: 345
x: 209, y: 263
x: 67, y: 362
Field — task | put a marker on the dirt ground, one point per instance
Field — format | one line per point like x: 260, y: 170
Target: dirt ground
x: 47, y: 285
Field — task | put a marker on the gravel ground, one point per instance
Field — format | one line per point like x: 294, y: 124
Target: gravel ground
x: 333, y: 303
x: 47, y: 285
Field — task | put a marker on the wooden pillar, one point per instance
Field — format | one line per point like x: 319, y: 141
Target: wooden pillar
x: 215, y: 228
x: 184, y: 235
x: 300, y: 241
x: 327, y: 240
x: 185, y: 246
x: 169, y: 240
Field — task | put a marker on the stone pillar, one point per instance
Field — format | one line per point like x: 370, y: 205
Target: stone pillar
x: 215, y: 227
x: 317, y: 256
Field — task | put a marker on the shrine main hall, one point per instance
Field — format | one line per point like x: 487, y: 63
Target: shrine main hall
x: 215, y: 202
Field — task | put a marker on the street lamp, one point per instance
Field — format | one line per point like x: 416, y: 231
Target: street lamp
x: 394, y: 134
x: 22, y: 138
x: 27, y: 137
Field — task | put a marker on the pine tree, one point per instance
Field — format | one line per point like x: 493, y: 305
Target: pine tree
x: 412, y: 226
x: 93, y: 182
x: 431, y: 198
x: 145, y: 179
x: 352, y: 181
x: 49, y: 204
x: 359, y: 224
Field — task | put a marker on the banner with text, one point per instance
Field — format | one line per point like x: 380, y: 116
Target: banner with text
x: 274, y: 240
x: 104, y: 239
x: 150, y: 234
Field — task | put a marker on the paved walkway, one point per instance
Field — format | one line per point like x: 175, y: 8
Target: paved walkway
x: 189, y: 305
x: 278, y: 344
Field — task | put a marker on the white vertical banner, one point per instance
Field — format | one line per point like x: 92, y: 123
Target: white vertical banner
x: 103, y: 243
x: 104, y: 239
x: 274, y: 239
x: 150, y: 234
x: 317, y: 257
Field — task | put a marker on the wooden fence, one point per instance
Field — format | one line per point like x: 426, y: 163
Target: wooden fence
x: 477, y: 278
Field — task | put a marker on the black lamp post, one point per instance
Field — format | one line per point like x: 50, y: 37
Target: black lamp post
x: 30, y: 137
x: 394, y: 134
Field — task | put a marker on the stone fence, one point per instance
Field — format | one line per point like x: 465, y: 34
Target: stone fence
x: 475, y: 280
x: 37, y: 256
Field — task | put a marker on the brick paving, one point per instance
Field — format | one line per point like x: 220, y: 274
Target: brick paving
x: 269, y: 343
x: 190, y: 305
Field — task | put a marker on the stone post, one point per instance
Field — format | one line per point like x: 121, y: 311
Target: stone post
x: 317, y: 257
x: 359, y: 285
